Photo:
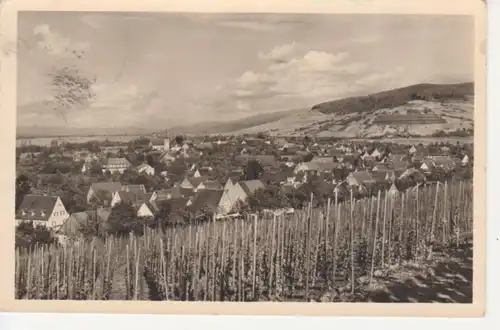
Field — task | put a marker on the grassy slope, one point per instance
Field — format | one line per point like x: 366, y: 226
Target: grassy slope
x: 396, y: 97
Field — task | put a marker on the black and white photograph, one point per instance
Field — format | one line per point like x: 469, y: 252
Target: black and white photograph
x: 244, y: 157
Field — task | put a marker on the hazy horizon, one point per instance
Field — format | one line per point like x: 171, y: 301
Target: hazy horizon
x: 174, y: 69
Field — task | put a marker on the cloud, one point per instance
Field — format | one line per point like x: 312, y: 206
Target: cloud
x: 279, y: 53
x: 316, y: 74
x: 55, y: 44
x: 288, y: 82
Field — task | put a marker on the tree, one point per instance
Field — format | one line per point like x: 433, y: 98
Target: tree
x: 23, y: 187
x: 123, y: 220
x: 268, y: 198
x: 28, y: 236
x: 308, y: 157
x: 179, y: 140
x: 100, y: 197
x: 253, y: 170
x: 306, y: 141
x: 92, y: 226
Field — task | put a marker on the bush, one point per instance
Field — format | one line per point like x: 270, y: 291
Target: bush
x: 28, y: 235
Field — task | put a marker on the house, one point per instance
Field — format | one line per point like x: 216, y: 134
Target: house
x: 445, y: 149
x: 147, y: 209
x: 116, y: 165
x: 251, y: 186
x: 393, y: 190
x: 48, y: 211
x: 412, y: 150
x: 465, y: 160
x: 317, y: 167
x: 91, y: 158
x: 192, y: 182
x: 209, y: 185
x: 71, y: 227
x: 336, y: 154
x: 427, y: 166
x: 264, y: 160
x: 146, y: 169
x: 444, y: 162
x: 202, y: 172
x: 107, y: 189
x: 27, y: 156
x: 132, y: 197
x: 280, y: 143
x: 360, y: 178
x: 430, y: 163
x: 172, y: 193
x: 398, y: 161
x: 114, y: 150
x: 381, y: 167
x: 88, y: 161
x: 321, y: 160
x: 160, y: 144
x: 205, y: 202
x: 229, y: 183
x: 86, y: 167
x: 205, y: 146
x: 134, y: 187
x: 376, y: 154
x: 167, y: 157
x: 233, y: 193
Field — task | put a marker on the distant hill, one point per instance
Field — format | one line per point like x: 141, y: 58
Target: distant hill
x: 397, y: 97
x: 224, y: 127
x: 424, y: 110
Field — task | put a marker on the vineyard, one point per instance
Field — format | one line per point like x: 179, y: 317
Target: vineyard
x: 293, y: 257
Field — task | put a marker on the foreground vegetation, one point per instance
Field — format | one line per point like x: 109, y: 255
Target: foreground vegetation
x: 338, y: 248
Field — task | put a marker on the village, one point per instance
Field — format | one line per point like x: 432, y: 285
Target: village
x: 103, y: 187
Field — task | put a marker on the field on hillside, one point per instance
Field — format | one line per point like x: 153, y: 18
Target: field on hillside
x: 398, y: 97
x: 340, y: 252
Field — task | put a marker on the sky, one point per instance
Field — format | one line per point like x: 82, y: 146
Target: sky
x: 156, y: 70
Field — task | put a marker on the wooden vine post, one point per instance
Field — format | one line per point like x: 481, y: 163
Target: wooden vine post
x: 434, y: 213
x: 375, y: 240
x: 335, y: 234
x: 308, y: 247
x: 254, y: 264
x: 353, y: 279
x: 383, y: 230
